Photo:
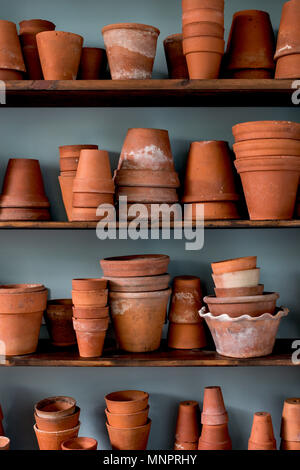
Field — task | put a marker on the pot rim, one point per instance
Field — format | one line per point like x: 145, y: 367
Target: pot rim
x: 282, y: 312
x: 148, y: 424
x: 57, y: 419
x: 143, y: 396
x: 54, y: 414
x: 56, y: 432
x: 21, y: 288
x: 145, y: 410
x: 266, y: 297
x: 138, y: 26
x: 60, y: 33
x: 176, y: 37
x: 138, y: 295
x: 133, y: 259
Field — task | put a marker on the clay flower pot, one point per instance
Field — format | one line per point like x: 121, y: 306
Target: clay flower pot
x: 131, y: 420
x: 28, y: 31
x: 262, y: 435
x: 290, y: 423
x: 267, y: 147
x: 135, y: 265
x: 58, y: 318
x: 130, y: 49
x: 187, y: 425
x: 91, y: 200
x: 209, y: 173
x: 197, y: 15
x: 288, y: 40
x: 185, y: 446
x: 212, y: 211
x: 93, y: 63
x: 147, y: 195
x: 53, y: 440
x: 4, y: 443
x: 254, y: 306
x: 288, y: 67
x: 203, y: 56
x: 203, y: 28
x: 270, y: 178
x: 59, y: 54
x: 90, y: 298
x: 192, y: 4
x: 214, y: 412
x: 55, y: 407
x: 266, y: 130
x: 138, y: 318
x: 80, y: 443
x: 89, y: 284
x: 11, y: 57
x: 126, y: 401
x: 236, y: 264
x: 58, y: 424
x: 73, y: 151
x: 214, y: 438
x: 129, y: 439
x: 94, y: 164
x: 244, y: 336
x: 186, y: 336
x: 147, y: 178
x: 90, y: 312
x: 139, y: 284
x: 90, y: 334
x: 186, y: 300
x: 176, y: 62
x: 289, y: 445
x: 245, y: 278
x: 239, y: 291
x: 22, y: 298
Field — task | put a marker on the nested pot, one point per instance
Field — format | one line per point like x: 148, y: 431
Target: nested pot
x: 288, y: 40
x: 262, y: 434
x: 130, y: 420
x: 135, y: 265
x: 244, y: 278
x: 90, y: 334
x: 204, y: 56
x: 196, y: 15
x: 290, y: 423
x: 176, y: 62
x: 80, y: 443
x: 52, y: 440
x: 147, y: 195
x: 55, y: 407
x: 90, y: 312
x: 186, y: 336
x: 186, y: 300
x: 254, y: 130
x: 89, y: 284
x: 239, y: 291
x: 267, y: 147
x: 192, y: 4
x: 94, y: 164
x: 147, y: 178
x: 58, y: 424
x: 215, y: 438
x: 58, y: 316
x: 22, y: 298
x: 213, y: 412
x: 188, y: 420
x: 93, y: 63
x: 126, y: 401
x: 129, y: 438
x: 139, y: 284
x: 11, y: 57
x: 66, y: 187
x: 211, y: 211
x: 92, y: 200
x: 288, y: 67
x: 73, y: 151
x: 202, y: 28
x: 90, y: 298
x: 236, y: 264
x: 254, y: 306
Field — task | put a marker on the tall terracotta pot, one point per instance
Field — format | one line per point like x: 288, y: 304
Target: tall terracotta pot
x: 290, y: 423
x: 262, y: 435
x: 176, y: 61
x: 58, y: 316
x: 93, y: 63
x: 11, y: 57
x: 187, y: 425
x: 186, y: 300
x: 213, y: 412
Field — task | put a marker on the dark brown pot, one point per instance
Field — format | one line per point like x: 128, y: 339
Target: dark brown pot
x: 93, y: 63
x: 176, y: 62
x: 58, y: 318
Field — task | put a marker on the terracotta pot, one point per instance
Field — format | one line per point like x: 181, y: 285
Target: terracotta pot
x: 66, y: 187
x: 59, y: 54
x: 58, y: 424
x: 20, y: 289
x: 94, y: 164
x: 92, y: 200
x: 130, y: 49
x: 212, y: 211
x: 147, y: 194
x: 203, y: 28
x: 53, y: 440
x: 93, y: 185
x: 16, y: 298
x: 209, y: 173
x: 55, y: 407
x: 150, y: 212
x: 58, y: 318
x: 92, y: 313
x: 159, y: 179
x: 266, y: 130
x: 214, y: 412
x: 186, y: 446
x: 139, y: 284
x: 244, y: 336
x: 135, y: 265
x: 88, y: 214
x: 80, y: 443
x: 28, y: 31
x: 20, y: 332
x: 176, y: 62
x: 146, y: 149
x: 89, y: 284
x: 186, y: 336
x: 265, y: 147
x: 236, y: 264
x: 197, y: 15
x: 262, y: 435
x: 23, y: 185
x: 16, y: 214
x: 68, y: 164
x: 90, y: 334
x: 187, y: 425
x: 129, y: 439
x: 254, y: 305
x: 245, y: 278
x: 138, y: 318
x: 290, y: 423
x: 126, y: 401
x: 288, y: 40
x: 93, y: 63
x: 192, y: 4
x: 289, y: 445
x: 4, y: 443
x: 203, y: 44
x: 270, y: 178
x: 90, y: 298
x: 73, y: 151
x: 251, y: 41
x: 250, y: 74
x: 7, y: 74
x: 10, y: 49
x: 239, y: 291
x: 126, y: 421
x: 214, y: 438
x: 288, y: 67
x: 186, y: 300
x: 202, y: 60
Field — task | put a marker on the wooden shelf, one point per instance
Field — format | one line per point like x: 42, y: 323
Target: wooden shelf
x: 141, y: 93
x: 48, y: 356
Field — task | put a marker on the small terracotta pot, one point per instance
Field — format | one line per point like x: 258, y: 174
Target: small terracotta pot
x: 254, y: 305
x: 203, y: 44
x: 214, y: 438
x: 130, y: 49
x: 203, y: 28
x: 147, y: 178
x: 212, y: 211
x: 245, y: 278
x: 265, y: 147
x: 139, y: 284
x: 94, y: 164
x: 290, y: 423
x: 186, y: 446
x: 90, y: 334
x: 91, y: 313
x: 288, y: 40
x: 66, y: 187
x: 244, y: 336
x: 266, y: 130
x: 93, y: 185
x: 236, y: 264
x: 203, y: 56
x: 197, y: 15
x: 59, y: 54
x: 209, y: 173
x: 20, y: 332
x: 186, y: 336
x: 89, y: 284
x: 250, y: 74
x: 126, y: 401
x: 7, y: 74
x: 129, y: 439
x: 147, y: 195
x: 239, y: 291
x: 289, y: 445
x: 262, y: 435
x: 186, y: 300
x: 10, y: 49
x: 176, y: 61
x: 90, y: 298
x: 93, y: 63
x: 58, y: 318
x: 58, y: 424
x: 146, y: 149
x: 138, y: 318
x: 4, y: 443
x: 80, y: 443
x: 55, y: 407
x: 68, y: 164
x: 22, y: 298
x: 214, y: 412
x: 91, y: 200
x: 192, y: 4
x: 187, y: 425
x: 288, y: 67
x: 53, y: 440
x: 126, y: 421
x: 135, y: 265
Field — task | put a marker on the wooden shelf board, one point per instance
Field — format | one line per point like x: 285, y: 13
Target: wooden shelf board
x: 48, y: 356
x: 148, y: 93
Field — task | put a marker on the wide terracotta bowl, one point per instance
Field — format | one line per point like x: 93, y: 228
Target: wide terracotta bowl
x: 266, y: 130
x: 135, y: 266
x: 254, y: 305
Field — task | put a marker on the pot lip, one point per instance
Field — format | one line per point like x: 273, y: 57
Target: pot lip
x: 251, y: 13
x: 261, y: 124
x: 60, y: 33
x: 228, y: 261
x: 130, y: 260
x: 79, y: 439
x: 138, y: 26
x: 235, y: 273
x: 48, y: 400
x: 148, y: 424
x: 58, y: 418
x: 138, y: 295
x: 145, y: 410
x: 57, y: 432
x: 176, y: 37
x: 36, y: 21
x: 282, y: 312
x: 143, y: 396
x: 261, y: 141
x: 265, y: 297
x: 216, y: 48
x: 248, y: 164
x: 21, y: 288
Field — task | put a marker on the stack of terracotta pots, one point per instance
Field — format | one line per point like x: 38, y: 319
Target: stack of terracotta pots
x: 12, y: 64
x: 187, y: 426
x: 4, y: 443
x: 138, y: 299
x: 131, y: 49
x: 251, y: 46
x: 288, y: 42
x: 68, y: 163
x: 90, y: 315
x: 290, y: 425
x: 23, y: 195
x: 58, y: 317
x: 176, y: 61
x: 127, y: 423
x: 93, y: 185
x: 214, y: 419
x: 209, y: 180
x: 146, y: 172
x: 186, y: 329
x: 21, y: 312
x: 262, y: 434
x: 203, y: 37
x: 93, y: 63
x: 267, y: 159
x: 56, y: 420
x: 28, y: 31
x: 80, y: 443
